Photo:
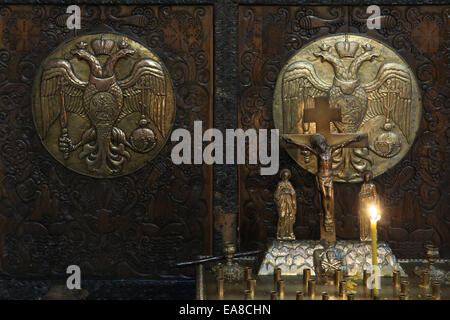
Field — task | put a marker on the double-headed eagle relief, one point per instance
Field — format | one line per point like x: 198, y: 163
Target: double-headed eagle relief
x: 372, y: 87
x: 103, y: 104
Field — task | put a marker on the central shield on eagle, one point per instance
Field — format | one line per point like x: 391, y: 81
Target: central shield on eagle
x: 103, y: 104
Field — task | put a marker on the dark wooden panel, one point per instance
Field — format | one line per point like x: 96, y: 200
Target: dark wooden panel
x: 416, y: 191
x: 132, y: 226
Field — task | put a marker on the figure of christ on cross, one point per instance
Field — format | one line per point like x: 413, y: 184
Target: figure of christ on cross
x: 323, y: 152
x: 319, y: 145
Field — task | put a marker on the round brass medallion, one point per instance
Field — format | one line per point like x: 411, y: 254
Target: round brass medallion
x: 103, y: 104
x: 375, y: 90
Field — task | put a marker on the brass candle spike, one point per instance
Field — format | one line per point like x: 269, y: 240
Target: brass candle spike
x: 251, y: 283
x: 337, y: 277
x: 273, y: 295
x: 280, y: 289
x: 396, y: 279
x: 276, y: 277
x: 248, y: 295
x: 219, y: 273
x: 404, y: 287
x: 306, y: 276
x: 220, y: 284
x: 342, y: 289
x: 312, y: 288
x: 429, y: 296
x: 200, y: 283
x: 249, y: 273
x: 425, y: 279
x: 366, y: 275
x: 436, y: 290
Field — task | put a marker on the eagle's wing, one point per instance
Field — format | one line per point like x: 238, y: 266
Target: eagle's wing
x: 299, y: 88
x: 145, y: 90
x: 59, y: 85
x: 391, y: 77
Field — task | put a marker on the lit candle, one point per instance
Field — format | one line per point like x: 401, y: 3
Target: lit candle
x: 374, y: 217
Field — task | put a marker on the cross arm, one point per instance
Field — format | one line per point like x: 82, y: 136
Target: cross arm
x: 291, y: 139
x: 358, y: 138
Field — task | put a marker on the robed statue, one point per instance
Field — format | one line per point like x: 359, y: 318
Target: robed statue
x: 285, y: 199
x: 367, y: 197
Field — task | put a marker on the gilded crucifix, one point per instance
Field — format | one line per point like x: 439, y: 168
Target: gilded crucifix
x: 318, y: 145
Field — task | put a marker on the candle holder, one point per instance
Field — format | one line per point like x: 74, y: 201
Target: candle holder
x: 232, y: 271
x: 435, y: 273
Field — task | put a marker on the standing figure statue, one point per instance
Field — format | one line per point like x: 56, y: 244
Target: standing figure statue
x: 367, y: 197
x: 285, y: 199
x: 324, y: 153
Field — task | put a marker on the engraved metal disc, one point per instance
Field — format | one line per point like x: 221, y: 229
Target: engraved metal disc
x: 103, y: 104
x: 375, y: 89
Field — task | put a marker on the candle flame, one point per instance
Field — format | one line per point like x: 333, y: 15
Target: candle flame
x: 374, y: 216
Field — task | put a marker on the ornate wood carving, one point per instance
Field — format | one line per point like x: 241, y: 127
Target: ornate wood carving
x: 129, y: 227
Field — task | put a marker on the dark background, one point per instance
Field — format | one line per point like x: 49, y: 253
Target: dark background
x: 224, y: 58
